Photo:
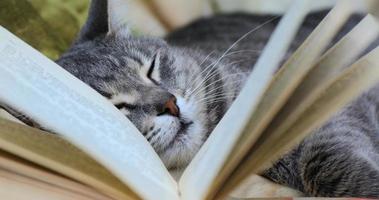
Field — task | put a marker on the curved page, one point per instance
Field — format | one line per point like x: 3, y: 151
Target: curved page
x: 286, y: 80
x: 11, y: 164
x: 202, y: 179
x: 324, y: 73
x: 346, y: 87
x: 62, y: 103
x: 51, y: 151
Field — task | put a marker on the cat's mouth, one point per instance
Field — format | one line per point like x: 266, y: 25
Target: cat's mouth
x: 183, y: 128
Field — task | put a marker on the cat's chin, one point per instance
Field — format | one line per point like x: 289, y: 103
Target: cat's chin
x: 183, y: 146
x: 179, y: 137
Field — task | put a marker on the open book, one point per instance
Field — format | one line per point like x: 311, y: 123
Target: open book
x: 99, y: 154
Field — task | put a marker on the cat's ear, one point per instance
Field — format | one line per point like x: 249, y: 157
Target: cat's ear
x: 118, y: 26
x: 104, y: 17
x: 97, y: 21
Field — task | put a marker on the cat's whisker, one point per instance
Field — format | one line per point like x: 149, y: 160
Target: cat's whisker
x: 209, y: 74
x: 238, y: 61
x: 207, y: 69
x: 232, y: 46
x: 243, y: 51
x: 218, y: 99
x: 230, y: 94
x: 193, y: 83
x: 210, y: 67
x: 243, y: 37
x: 214, y: 82
x: 206, y: 101
x: 206, y: 58
x: 230, y: 54
x: 194, y: 77
x: 222, y: 86
x: 205, y: 79
x: 212, y: 75
x: 217, y: 94
x: 199, y: 89
x: 211, y: 92
x: 247, y: 34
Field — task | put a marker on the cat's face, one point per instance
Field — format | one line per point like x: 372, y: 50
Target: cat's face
x: 152, y: 84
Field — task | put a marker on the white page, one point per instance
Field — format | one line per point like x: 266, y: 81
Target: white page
x: 198, y: 179
x: 312, y: 87
x: 60, y: 102
x: 344, y: 89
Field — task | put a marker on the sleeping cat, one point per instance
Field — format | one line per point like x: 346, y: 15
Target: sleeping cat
x: 175, y: 90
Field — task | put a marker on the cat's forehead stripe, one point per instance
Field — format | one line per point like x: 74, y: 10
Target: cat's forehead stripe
x: 136, y: 59
x: 140, y: 55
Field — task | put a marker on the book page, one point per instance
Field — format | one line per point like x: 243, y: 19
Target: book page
x: 201, y: 179
x: 53, y: 152
x: 286, y: 80
x: 62, y: 103
x: 324, y: 73
x: 299, y: 78
x: 256, y: 186
x: 15, y: 165
x: 352, y: 82
x: 18, y: 187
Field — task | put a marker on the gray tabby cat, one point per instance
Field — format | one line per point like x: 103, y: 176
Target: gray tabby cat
x: 175, y: 90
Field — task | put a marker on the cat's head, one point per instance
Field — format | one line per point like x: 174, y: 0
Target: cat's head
x: 152, y: 83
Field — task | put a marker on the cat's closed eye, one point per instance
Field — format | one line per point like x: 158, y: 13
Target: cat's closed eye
x: 125, y: 105
x: 152, y: 68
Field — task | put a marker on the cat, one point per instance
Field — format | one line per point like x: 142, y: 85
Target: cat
x: 176, y: 89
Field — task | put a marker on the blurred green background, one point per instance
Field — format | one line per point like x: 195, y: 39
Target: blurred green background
x: 48, y: 25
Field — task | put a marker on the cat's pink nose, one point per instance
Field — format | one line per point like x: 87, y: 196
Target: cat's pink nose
x: 171, y: 108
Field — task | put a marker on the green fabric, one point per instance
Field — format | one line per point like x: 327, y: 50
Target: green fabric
x: 48, y: 25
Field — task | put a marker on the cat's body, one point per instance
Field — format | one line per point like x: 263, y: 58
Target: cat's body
x: 176, y: 90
